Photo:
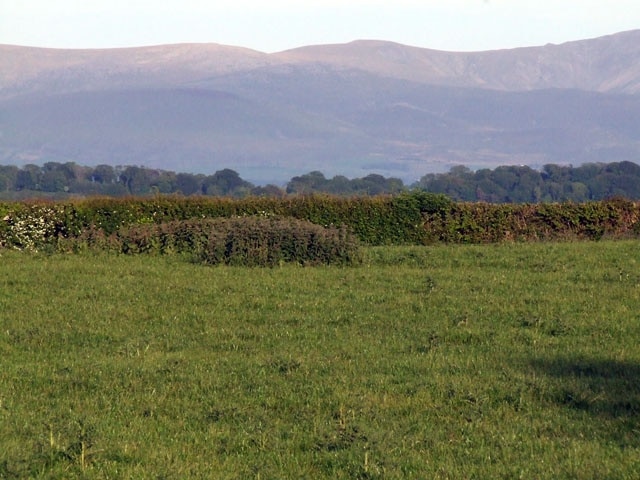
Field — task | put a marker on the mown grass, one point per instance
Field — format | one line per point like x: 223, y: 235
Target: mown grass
x: 497, y: 361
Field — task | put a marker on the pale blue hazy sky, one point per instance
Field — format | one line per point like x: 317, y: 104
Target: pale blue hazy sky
x: 276, y: 25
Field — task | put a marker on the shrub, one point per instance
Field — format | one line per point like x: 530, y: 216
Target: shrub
x: 248, y: 241
x: 32, y: 227
x: 269, y: 241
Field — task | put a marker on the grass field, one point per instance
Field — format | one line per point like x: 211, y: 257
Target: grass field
x: 499, y: 361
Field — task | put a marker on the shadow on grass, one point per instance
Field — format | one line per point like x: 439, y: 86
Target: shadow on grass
x: 607, y: 389
x: 602, y: 387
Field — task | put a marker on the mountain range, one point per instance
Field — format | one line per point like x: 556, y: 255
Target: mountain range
x: 347, y: 109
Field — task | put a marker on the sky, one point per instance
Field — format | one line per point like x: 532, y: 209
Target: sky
x: 275, y: 25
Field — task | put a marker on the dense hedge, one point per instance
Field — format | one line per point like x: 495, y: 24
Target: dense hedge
x: 409, y: 218
x: 485, y: 223
x: 247, y: 241
x: 375, y: 220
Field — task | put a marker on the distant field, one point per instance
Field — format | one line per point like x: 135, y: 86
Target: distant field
x: 497, y: 361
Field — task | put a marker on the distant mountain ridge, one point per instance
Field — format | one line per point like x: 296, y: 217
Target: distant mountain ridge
x: 30, y: 69
x: 363, y: 107
x: 604, y: 64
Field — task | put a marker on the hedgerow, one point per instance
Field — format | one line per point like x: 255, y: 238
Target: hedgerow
x: 486, y: 223
x: 416, y: 218
x: 375, y: 220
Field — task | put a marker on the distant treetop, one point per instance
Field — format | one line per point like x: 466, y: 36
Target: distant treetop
x: 505, y: 184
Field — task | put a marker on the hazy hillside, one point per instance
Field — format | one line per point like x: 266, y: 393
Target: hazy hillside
x: 606, y: 64
x: 28, y: 70
x: 353, y: 109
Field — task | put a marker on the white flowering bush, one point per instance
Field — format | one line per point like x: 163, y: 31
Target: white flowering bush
x: 31, y: 228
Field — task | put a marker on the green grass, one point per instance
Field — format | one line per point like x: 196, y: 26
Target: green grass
x: 497, y: 361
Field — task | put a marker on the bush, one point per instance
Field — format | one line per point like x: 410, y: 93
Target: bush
x: 259, y: 241
x: 248, y: 241
x: 31, y: 227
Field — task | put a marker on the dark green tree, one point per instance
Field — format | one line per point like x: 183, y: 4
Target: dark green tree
x: 8, y: 176
x: 226, y: 182
x: 165, y: 182
x: 103, y: 174
x: 188, y: 184
x: 137, y: 180
x: 308, y: 183
x: 339, y: 185
x: 28, y: 178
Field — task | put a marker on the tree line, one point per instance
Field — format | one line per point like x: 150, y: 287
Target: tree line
x: 118, y: 181
x: 522, y: 184
x: 505, y: 184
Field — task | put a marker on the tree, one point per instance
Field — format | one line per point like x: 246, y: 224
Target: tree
x: 103, y: 174
x: 311, y: 182
x: 556, y: 173
x: 8, y: 176
x: 528, y: 185
x: 188, y: 184
x: 54, y: 181
x: 577, y: 191
x: 57, y: 177
x: 137, y: 180
x: 165, y: 182
x: 339, y: 185
x: 226, y: 182
x: 586, y: 172
x: 28, y: 178
x: 461, y: 171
